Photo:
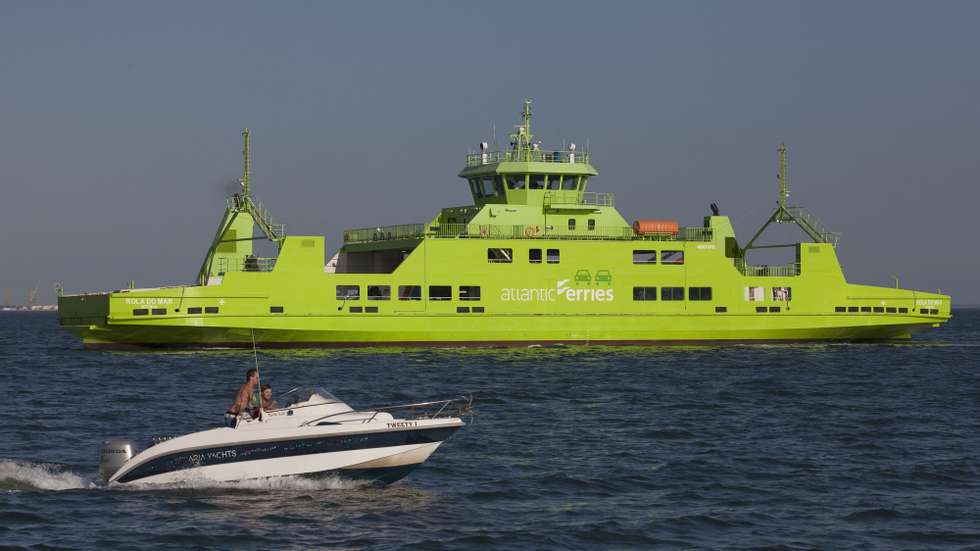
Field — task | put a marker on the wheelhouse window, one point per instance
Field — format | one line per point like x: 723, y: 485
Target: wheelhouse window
x: 348, y: 292
x: 534, y: 256
x: 554, y: 256
x: 672, y: 257
x: 440, y: 292
x: 516, y: 182
x: 488, y: 187
x: 498, y: 185
x: 569, y: 183
x: 409, y: 292
x: 671, y: 293
x: 537, y: 181
x: 699, y: 293
x: 644, y: 257
x: 554, y: 181
x: 500, y: 256
x: 379, y: 292
x: 469, y: 292
x: 782, y: 293
x: 644, y: 293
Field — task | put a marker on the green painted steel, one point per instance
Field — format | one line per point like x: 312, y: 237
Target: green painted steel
x: 536, y: 258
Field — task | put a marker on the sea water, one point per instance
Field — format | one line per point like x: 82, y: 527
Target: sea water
x: 823, y: 446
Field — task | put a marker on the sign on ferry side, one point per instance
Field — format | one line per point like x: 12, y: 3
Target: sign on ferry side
x: 148, y: 301
x: 563, y: 290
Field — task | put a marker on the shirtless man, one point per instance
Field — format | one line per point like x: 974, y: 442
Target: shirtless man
x: 243, y: 398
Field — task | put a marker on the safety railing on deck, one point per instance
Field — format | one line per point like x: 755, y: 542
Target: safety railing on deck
x: 518, y: 231
x: 813, y: 226
x: 519, y: 156
x: 589, y: 198
x: 384, y: 233
x: 787, y: 270
x: 245, y: 264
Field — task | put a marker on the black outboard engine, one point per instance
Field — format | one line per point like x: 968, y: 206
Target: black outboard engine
x: 114, y: 454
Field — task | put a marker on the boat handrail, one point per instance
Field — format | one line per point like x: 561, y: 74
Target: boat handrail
x: 437, y: 409
x: 453, y: 407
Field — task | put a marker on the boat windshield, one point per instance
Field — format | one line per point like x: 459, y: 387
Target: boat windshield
x: 306, y: 396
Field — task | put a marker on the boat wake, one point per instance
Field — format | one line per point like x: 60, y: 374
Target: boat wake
x: 31, y: 476
x: 279, y: 483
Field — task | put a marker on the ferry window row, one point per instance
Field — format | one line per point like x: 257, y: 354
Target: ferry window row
x: 567, y: 182
x: 641, y: 256
x: 672, y: 293
x: 758, y: 294
x: 879, y: 309
x: 493, y: 186
x: 590, y: 224
x: 407, y: 292
x: 163, y: 311
x: 534, y: 256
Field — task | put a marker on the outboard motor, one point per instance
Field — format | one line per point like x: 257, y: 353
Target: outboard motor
x: 114, y: 454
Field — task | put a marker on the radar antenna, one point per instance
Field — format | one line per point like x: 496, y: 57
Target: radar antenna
x: 522, y: 140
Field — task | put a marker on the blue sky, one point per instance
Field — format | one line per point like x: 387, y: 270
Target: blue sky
x: 120, y: 121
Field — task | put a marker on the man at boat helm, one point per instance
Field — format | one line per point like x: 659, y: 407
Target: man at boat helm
x: 243, y: 398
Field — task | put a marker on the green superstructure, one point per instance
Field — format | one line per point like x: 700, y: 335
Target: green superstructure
x: 537, y: 258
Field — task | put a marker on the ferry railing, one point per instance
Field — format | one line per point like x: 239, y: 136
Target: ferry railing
x: 534, y: 156
x: 788, y: 270
x: 518, y: 231
x: 536, y: 231
x: 813, y: 226
x: 261, y: 215
x: 592, y: 198
x: 245, y: 264
x: 258, y: 264
x: 384, y: 233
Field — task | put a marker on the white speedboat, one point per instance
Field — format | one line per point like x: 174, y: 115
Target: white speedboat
x: 313, y: 433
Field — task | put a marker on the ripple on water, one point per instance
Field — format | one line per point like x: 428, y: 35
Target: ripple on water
x: 862, y: 446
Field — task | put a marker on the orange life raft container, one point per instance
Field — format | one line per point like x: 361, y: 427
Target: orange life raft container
x: 645, y: 227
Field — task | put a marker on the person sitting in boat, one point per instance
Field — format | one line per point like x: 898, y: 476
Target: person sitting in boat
x: 268, y: 402
x: 243, y: 398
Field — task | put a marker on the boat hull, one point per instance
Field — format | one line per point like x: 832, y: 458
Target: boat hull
x: 380, y: 456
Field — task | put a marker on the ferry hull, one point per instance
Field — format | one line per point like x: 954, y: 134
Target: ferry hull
x: 521, y: 331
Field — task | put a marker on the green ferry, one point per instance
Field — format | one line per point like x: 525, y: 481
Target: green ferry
x: 537, y: 258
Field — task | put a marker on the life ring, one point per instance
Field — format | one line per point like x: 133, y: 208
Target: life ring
x: 530, y: 231
x: 484, y: 231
